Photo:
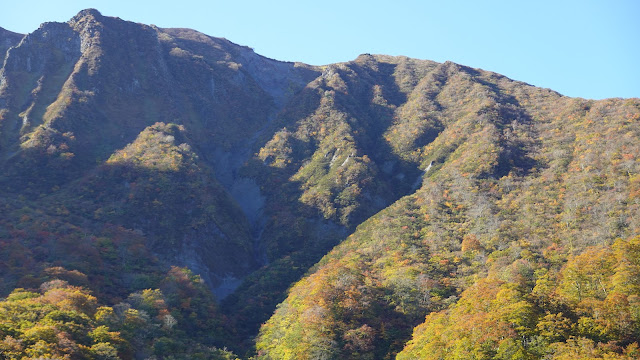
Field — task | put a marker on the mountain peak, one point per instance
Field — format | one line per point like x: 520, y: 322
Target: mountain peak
x: 86, y: 16
x: 88, y: 12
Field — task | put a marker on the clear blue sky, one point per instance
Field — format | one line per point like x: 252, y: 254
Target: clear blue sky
x: 583, y: 48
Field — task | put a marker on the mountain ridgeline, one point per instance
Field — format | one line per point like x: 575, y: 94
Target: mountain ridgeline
x: 166, y: 194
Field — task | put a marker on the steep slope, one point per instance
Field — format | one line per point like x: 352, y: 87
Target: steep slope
x: 326, y: 168
x: 105, y: 80
x: 7, y: 40
x: 75, y: 93
x: 158, y: 186
x: 517, y: 181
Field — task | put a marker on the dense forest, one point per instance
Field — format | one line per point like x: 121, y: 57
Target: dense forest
x: 165, y: 194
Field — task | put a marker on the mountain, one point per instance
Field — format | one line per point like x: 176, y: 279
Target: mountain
x: 519, y: 184
x: 173, y: 194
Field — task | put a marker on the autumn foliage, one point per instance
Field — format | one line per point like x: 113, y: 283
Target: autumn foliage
x: 165, y: 194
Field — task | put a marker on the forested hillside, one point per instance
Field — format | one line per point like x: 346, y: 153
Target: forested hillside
x: 513, y: 201
x: 166, y: 194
